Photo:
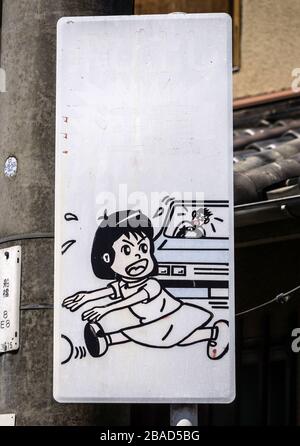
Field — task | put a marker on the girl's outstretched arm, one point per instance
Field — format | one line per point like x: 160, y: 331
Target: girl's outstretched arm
x: 148, y: 291
x: 80, y: 298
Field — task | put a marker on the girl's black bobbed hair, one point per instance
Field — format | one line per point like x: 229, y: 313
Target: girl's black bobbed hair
x: 113, y: 227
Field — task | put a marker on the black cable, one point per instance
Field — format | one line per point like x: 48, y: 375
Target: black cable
x: 32, y: 307
x: 281, y: 298
x: 30, y: 236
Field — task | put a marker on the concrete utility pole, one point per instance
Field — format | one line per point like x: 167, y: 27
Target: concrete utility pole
x: 27, y: 132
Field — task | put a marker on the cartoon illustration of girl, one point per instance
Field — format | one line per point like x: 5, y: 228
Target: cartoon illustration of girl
x: 134, y: 306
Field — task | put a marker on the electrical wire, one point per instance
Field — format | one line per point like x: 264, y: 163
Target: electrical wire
x: 31, y: 236
x: 281, y: 298
x: 256, y: 308
x: 36, y: 307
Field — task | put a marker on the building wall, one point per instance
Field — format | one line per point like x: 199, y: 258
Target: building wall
x: 270, y: 39
x: 167, y: 6
x: 270, y: 46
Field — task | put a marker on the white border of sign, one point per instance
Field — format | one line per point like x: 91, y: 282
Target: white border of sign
x: 58, y: 391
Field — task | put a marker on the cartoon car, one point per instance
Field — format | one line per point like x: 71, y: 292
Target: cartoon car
x: 192, y: 250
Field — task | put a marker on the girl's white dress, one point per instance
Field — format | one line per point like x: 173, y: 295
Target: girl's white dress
x: 158, y: 321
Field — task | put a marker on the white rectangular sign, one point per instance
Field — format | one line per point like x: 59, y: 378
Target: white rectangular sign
x: 7, y: 419
x: 144, y: 298
x: 10, y: 278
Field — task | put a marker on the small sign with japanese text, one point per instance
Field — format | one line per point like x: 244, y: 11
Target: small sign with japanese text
x: 10, y: 276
